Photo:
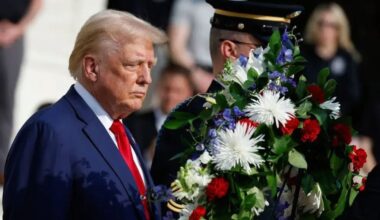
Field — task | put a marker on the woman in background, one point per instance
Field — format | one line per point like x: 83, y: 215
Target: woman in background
x: 329, y: 45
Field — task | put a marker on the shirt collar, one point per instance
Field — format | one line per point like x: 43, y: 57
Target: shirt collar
x: 94, y: 105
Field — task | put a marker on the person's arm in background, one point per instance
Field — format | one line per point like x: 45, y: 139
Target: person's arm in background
x: 179, y: 32
x: 10, y: 32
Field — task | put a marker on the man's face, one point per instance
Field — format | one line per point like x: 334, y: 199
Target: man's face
x: 172, y: 90
x: 124, y: 77
x: 246, y: 43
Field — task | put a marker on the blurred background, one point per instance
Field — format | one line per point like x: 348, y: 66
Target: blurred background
x: 353, y: 58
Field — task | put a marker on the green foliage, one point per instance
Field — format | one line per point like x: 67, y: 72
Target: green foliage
x: 296, y: 159
x: 322, y: 76
x: 179, y: 119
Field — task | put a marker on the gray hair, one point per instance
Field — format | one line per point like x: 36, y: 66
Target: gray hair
x: 110, y: 29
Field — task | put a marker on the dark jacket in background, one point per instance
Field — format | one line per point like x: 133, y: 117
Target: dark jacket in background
x: 143, y: 128
x: 343, y: 69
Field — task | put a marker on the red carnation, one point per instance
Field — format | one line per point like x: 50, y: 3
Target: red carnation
x: 358, y: 158
x: 364, y: 181
x: 217, y: 188
x: 342, y: 134
x: 249, y: 122
x: 316, y: 93
x: 310, y: 130
x: 290, y: 126
x: 198, y: 213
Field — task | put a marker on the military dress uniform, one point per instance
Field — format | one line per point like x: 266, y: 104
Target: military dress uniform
x: 258, y: 18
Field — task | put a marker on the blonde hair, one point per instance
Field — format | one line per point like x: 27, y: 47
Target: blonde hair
x: 110, y: 30
x: 344, y: 39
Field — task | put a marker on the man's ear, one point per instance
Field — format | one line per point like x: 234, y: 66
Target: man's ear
x: 90, y: 68
x: 228, y: 50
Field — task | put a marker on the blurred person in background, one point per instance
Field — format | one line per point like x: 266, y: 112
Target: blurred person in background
x: 188, y: 32
x: 173, y: 87
x: 328, y: 44
x: 15, y: 17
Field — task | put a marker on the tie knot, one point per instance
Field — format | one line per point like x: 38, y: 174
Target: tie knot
x: 117, y: 127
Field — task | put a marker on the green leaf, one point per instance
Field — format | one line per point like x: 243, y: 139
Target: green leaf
x: 296, y: 51
x: 275, y: 40
x: 304, y: 109
x: 320, y: 114
x: 293, y: 69
x: 301, y: 88
x: 336, y: 163
x: 179, y: 119
x: 272, y: 183
x: 307, y: 183
x: 283, y: 144
x: 206, y: 114
x: 341, y: 203
x: 252, y: 74
x: 296, y: 159
x: 322, y: 76
x: 248, y: 84
x: 175, y: 123
x: 221, y: 100
x: 353, y: 194
x: 329, y: 88
x: 183, y: 115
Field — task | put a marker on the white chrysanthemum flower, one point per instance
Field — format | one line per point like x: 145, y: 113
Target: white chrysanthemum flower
x: 240, y: 75
x: 333, y: 106
x: 270, y: 108
x: 238, y: 147
x: 256, y: 60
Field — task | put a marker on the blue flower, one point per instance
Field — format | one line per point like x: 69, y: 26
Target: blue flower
x: 285, y: 36
x: 243, y: 60
x: 218, y: 122
x: 288, y: 55
x: 161, y: 193
x: 280, y: 209
x: 274, y: 75
x: 283, y: 90
x: 200, y: 147
x: 292, y: 82
x: 212, y: 133
x: 281, y: 56
x: 227, y: 114
x: 237, y: 111
x: 169, y: 216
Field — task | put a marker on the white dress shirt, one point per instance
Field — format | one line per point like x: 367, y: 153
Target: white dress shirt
x: 105, y: 119
x: 160, y: 118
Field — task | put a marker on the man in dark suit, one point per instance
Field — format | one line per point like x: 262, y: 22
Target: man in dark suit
x: 75, y: 159
x: 237, y: 28
x: 173, y: 87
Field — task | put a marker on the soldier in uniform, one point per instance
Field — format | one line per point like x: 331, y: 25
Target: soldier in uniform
x: 237, y: 28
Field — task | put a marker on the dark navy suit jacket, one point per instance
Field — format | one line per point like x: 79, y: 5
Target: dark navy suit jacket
x: 64, y: 165
x: 173, y: 142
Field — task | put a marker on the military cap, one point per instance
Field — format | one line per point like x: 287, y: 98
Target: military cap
x: 259, y: 17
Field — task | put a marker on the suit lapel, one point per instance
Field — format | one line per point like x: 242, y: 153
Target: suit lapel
x: 99, y: 137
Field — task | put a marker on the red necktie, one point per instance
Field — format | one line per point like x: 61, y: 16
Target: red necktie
x: 118, y: 130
